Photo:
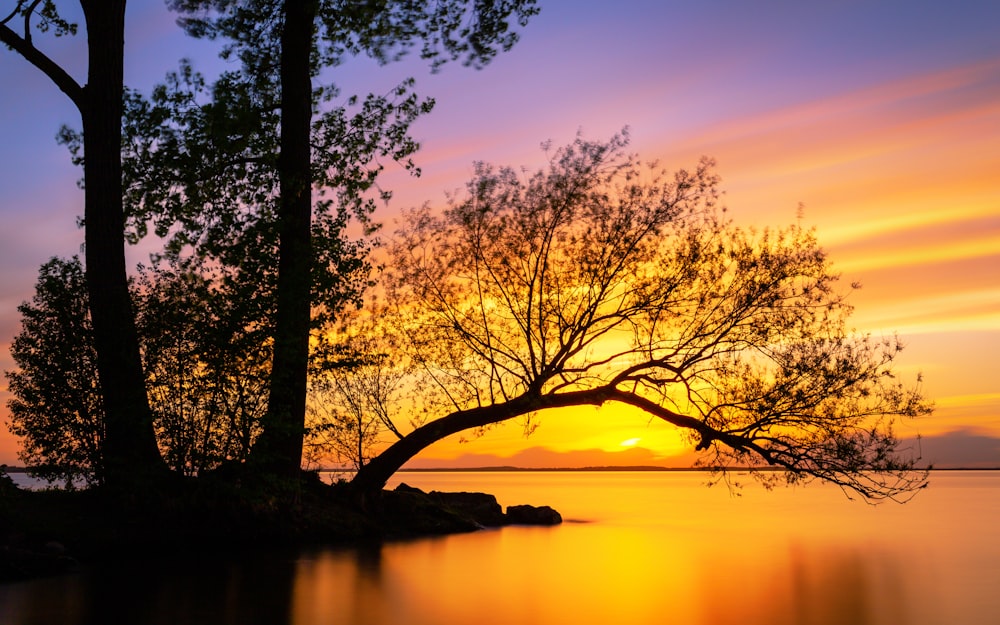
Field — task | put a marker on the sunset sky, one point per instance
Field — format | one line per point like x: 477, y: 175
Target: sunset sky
x: 881, y: 118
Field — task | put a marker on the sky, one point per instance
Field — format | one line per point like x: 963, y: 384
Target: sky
x: 881, y: 118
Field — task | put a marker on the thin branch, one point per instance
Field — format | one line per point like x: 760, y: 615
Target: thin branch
x: 13, y: 13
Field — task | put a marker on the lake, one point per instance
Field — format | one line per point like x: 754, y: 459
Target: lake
x: 636, y: 548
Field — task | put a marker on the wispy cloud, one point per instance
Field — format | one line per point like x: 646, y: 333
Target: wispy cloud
x: 888, y: 117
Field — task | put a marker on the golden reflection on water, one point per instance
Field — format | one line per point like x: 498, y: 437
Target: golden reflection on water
x: 515, y: 575
x: 526, y: 575
x: 637, y: 549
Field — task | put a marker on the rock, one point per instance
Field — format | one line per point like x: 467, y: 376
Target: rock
x: 480, y: 507
x: 532, y: 515
x: 409, y: 512
x: 406, y: 488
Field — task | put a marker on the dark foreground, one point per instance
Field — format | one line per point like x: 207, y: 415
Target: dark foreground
x: 53, y: 532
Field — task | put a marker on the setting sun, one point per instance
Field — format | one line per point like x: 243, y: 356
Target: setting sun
x: 630, y: 442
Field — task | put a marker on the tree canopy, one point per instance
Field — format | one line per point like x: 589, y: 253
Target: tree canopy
x: 205, y: 358
x: 594, y: 280
x: 600, y: 280
x: 56, y: 406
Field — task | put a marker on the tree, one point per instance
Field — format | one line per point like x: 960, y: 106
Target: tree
x: 130, y: 454
x: 207, y: 362
x: 317, y: 152
x: 356, y: 392
x: 56, y: 405
x: 597, y: 281
x: 206, y: 368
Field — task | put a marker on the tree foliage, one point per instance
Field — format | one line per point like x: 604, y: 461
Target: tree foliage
x: 207, y: 360
x: 56, y: 405
x: 201, y: 171
x: 254, y: 176
x: 470, y: 31
x: 594, y: 280
x: 357, y: 390
x: 599, y: 280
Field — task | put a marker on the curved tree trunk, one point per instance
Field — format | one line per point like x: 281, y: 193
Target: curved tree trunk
x: 377, y: 472
x: 130, y: 452
x: 279, y: 448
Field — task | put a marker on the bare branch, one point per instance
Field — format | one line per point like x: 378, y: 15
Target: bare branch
x: 22, y: 45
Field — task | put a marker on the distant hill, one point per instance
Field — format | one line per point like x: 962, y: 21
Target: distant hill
x: 961, y: 449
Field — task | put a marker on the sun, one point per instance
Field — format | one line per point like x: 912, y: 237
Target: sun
x: 630, y: 442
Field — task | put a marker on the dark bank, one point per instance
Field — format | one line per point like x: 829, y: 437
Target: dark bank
x: 51, y: 532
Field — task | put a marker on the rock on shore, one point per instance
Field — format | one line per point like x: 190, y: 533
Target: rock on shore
x: 484, y: 510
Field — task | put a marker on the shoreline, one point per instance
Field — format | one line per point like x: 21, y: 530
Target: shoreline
x: 54, y: 532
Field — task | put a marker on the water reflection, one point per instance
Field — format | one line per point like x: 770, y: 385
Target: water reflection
x: 831, y: 586
x: 343, y: 587
x: 158, y: 592
x: 660, y: 549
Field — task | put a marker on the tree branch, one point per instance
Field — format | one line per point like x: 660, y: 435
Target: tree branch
x: 12, y: 14
x: 66, y: 83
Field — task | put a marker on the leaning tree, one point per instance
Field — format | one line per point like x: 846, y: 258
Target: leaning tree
x: 600, y: 280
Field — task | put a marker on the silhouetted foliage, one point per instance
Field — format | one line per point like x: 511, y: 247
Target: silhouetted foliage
x: 56, y: 405
x: 599, y: 280
x: 207, y: 361
x: 355, y: 391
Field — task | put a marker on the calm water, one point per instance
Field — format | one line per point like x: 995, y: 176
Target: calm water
x: 638, y: 548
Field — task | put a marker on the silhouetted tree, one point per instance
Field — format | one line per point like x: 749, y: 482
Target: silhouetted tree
x: 281, y: 140
x: 339, y: 427
x: 130, y: 454
x: 55, y: 404
x: 598, y: 281
x: 207, y: 361
x: 357, y: 391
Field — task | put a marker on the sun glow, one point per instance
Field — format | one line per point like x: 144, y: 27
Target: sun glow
x: 631, y: 442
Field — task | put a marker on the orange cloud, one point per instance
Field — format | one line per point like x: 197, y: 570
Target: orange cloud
x: 934, y: 101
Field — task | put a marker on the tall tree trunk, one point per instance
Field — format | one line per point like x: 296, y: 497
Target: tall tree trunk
x: 279, y: 448
x: 130, y: 452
